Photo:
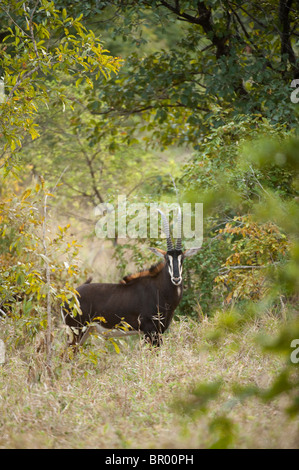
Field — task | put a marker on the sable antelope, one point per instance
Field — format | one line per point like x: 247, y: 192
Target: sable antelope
x: 145, y: 302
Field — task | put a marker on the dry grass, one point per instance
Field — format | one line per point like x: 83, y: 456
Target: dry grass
x: 127, y: 400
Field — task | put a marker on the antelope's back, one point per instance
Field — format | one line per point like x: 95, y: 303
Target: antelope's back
x: 114, y: 302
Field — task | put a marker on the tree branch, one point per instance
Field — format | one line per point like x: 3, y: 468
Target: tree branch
x: 203, y: 19
x: 285, y: 33
x: 91, y: 170
x: 228, y: 268
x: 21, y: 80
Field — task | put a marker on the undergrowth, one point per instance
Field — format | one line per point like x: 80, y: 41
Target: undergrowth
x: 184, y: 395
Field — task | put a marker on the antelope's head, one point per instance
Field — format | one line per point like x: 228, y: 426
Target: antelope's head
x: 174, y: 256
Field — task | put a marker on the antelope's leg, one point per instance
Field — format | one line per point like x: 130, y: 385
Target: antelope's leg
x: 114, y: 333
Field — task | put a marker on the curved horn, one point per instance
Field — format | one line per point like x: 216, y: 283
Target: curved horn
x: 166, y: 231
x: 179, y: 239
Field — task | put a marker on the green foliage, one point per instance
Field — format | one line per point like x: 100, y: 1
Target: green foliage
x: 34, y: 51
x: 254, y: 247
x: 199, y: 274
x: 231, y: 186
x: 228, y: 156
x: 225, y: 61
x: 24, y: 286
x: 98, y: 164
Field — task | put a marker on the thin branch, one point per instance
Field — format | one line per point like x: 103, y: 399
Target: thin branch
x: 246, y: 267
x: 29, y: 23
x: 149, y: 107
x: 48, y: 278
x: 250, y: 16
x: 91, y: 170
x: 228, y: 268
x: 257, y: 181
x: 5, y: 161
x: 253, y: 45
x: 203, y: 19
x: 48, y: 283
x: 140, y: 184
x: 21, y: 80
x: 82, y: 193
x: 14, y: 22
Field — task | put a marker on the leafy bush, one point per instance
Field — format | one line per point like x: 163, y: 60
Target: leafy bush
x: 28, y: 251
x: 253, y: 248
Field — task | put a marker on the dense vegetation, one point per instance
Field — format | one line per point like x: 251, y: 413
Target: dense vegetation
x: 160, y: 101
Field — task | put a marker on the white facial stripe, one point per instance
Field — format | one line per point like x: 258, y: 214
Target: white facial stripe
x: 180, y: 268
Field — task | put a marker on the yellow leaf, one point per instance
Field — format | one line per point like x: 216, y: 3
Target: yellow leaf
x: 117, y: 350
x: 26, y: 194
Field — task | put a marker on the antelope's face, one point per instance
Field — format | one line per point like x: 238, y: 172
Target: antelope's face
x: 174, y: 256
x: 174, y: 260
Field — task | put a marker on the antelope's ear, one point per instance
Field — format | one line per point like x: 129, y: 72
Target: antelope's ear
x: 158, y: 252
x: 191, y: 252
